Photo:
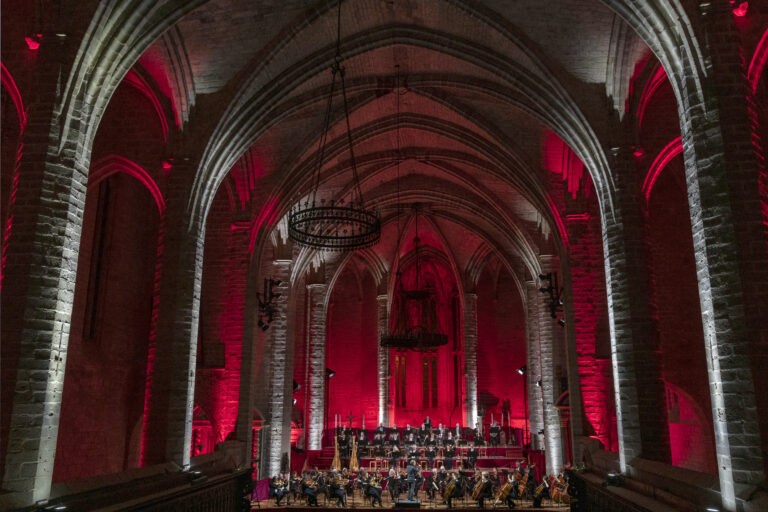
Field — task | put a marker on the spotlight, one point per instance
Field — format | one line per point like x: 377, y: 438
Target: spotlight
x: 538, y: 383
x: 330, y: 373
x: 294, y: 401
x: 522, y: 370
x: 561, y: 322
x: 276, y: 282
x: 296, y: 386
x: 264, y: 326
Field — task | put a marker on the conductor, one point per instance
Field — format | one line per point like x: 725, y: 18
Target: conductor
x: 412, y: 475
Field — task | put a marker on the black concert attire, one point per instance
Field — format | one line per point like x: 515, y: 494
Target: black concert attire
x: 337, y: 491
x: 413, y: 472
x: 374, y: 491
x: 431, y: 486
x: 431, y: 453
x: 310, y: 492
x: 413, y: 452
x: 472, y: 457
x: 543, y: 494
x: 394, y: 436
x: 427, y: 424
x: 277, y: 489
x: 458, y: 491
x: 381, y: 430
x: 395, y: 457
x: 485, y: 492
x: 478, y: 437
x: 450, y: 454
x: 494, y: 434
x: 393, y: 484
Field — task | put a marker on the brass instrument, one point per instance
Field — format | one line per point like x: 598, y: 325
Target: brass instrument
x: 539, y: 489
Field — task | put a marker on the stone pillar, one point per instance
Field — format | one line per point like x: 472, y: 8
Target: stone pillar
x: 641, y: 413
x: 38, y: 285
x: 470, y: 355
x: 279, y: 398
x: 552, y: 438
x: 316, y: 300
x: 171, y: 366
x: 382, y: 358
x: 724, y: 166
x: 533, y: 363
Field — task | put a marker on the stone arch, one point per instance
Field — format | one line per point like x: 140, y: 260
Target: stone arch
x: 244, y: 127
x: 111, y: 164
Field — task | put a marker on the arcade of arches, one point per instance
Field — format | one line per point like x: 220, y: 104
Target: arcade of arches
x: 151, y: 151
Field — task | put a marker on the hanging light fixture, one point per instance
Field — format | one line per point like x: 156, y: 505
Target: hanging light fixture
x: 416, y: 324
x: 335, y: 225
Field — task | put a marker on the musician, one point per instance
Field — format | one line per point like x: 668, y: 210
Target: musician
x: 440, y: 434
x: 483, y: 490
x: 344, y: 443
x: 378, y: 445
x: 472, y: 455
x: 431, y: 486
x: 494, y: 432
x: 531, y: 483
x: 411, y: 439
x: 277, y: 489
x: 541, y: 492
x: 431, y: 453
x: 477, y: 434
x: 450, y: 453
x: 414, y: 471
x: 295, y: 486
x: 427, y: 425
x: 336, y: 488
x: 381, y: 430
x: 393, y: 483
x: 413, y: 451
x: 309, y: 489
x: 372, y: 488
x: 395, y: 456
x: 362, y: 439
x: 456, y: 492
x: 394, y: 435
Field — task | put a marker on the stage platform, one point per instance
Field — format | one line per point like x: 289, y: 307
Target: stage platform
x: 425, y: 505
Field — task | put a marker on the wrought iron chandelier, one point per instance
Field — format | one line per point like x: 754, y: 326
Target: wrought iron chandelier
x: 335, y: 225
x: 417, y: 326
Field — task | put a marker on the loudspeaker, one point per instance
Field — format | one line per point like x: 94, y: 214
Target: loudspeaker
x: 408, y: 504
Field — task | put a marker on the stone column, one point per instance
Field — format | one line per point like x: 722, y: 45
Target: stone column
x: 279, y: 414
x: 382, y: 358
x: 552, y: 438
x: 641, y: 413
x: 470, y: 355
x: 316, y: 299
x: 38, y: 282
x: 533, y: 363
x: 724, y: 166
x: 171, y: 364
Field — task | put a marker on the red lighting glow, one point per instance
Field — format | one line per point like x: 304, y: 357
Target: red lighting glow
x: 740, y: 8
x: 665, y: 156
x: 758, y: 61
x: 33, y: 41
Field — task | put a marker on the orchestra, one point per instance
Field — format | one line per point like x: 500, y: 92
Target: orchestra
x: 439, y: 448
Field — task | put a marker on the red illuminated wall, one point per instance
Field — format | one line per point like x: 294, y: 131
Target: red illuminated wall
x: 100, y: 429
x: 351, y: 345
x: 684, y: 365
x: 500, y: 346
x: 102, y: 405
x: 430, y: 378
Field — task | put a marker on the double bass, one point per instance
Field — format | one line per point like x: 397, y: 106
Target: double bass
x: 449, y: 489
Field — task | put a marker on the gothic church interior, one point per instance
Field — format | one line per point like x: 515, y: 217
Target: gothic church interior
x: 575, y: 189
